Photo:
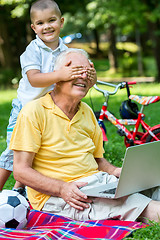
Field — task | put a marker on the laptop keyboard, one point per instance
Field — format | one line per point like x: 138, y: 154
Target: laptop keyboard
x: 109, y: 191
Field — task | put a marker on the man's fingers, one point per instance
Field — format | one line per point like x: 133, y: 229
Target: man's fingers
x: 81, y: 184
x: 77, y: 204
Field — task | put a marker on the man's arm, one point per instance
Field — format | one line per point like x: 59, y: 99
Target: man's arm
x: 23, y: 172
x: 105, y: 166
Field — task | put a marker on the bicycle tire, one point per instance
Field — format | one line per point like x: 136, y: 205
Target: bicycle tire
x: 150, y: 138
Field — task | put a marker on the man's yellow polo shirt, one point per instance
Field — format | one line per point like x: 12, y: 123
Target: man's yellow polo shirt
x: 65, y: 149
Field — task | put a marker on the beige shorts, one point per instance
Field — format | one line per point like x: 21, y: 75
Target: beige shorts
x: 126, y: 208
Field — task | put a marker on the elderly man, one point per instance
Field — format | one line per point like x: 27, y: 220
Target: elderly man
x: 58, y: 149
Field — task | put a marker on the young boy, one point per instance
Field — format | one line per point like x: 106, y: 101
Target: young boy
x: 38, y: 75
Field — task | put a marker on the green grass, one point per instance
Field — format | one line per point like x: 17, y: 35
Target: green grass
x: 115, y: 148
x: 6, y: 97
x: 152, y: 232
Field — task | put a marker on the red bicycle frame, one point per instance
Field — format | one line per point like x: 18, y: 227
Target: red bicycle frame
x: 131, y: 137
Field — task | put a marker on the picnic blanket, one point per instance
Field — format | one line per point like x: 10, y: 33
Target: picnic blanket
x: 46, y: 226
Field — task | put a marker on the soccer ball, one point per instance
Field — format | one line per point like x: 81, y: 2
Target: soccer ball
x: 13, y: 210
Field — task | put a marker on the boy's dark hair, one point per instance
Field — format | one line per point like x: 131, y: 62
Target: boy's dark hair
x: 44, y: 4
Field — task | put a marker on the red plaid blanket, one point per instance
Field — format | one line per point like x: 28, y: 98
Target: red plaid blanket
x: 46, y: 226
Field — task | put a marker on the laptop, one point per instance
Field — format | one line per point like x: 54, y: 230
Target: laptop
x: 140, y: 171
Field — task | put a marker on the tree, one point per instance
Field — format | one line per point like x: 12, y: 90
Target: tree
x: 152, y: 14
x: 13, y: 21
x: 112, y: 17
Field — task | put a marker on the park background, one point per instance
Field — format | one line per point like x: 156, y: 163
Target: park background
x: 123, y: 40
x: 122, y: 37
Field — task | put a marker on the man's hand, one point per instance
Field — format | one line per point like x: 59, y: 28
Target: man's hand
x: 117, y: 172
x: 73, y: 196
x: 105, y: 166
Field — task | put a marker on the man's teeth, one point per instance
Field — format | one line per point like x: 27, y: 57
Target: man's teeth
x: 80, y: 84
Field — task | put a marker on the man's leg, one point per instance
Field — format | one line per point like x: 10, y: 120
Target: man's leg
x: 151, y: 212
x: 4, y: 175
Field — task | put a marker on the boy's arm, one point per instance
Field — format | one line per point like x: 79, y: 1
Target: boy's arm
x: 66, y: 73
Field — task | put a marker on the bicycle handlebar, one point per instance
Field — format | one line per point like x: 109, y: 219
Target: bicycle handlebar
x: 132, y: 83
x: 116, y: 86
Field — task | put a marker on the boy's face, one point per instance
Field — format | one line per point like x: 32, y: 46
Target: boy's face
x: 47, y: 24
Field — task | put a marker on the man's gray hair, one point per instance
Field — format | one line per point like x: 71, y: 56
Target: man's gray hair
x: 61, y: 57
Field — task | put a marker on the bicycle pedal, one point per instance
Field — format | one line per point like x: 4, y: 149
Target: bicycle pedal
x: 130, y: 141
x: 121, y: 132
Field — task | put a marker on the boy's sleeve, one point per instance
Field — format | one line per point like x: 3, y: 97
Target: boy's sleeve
x: 31, y: 58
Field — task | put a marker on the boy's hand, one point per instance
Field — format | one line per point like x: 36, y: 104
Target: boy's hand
x: 91, y: 74
x: 67, y: 72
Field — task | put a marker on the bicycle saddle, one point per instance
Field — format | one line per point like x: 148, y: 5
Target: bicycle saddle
x: 144, y: 100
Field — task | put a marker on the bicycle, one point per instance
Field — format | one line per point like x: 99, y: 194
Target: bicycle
x: 130, y: 116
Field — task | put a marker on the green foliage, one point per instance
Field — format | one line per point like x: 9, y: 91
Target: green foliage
x: 152, y: 232
x: 18, y: 8
x: 8, y: 77
x: 85, y: 16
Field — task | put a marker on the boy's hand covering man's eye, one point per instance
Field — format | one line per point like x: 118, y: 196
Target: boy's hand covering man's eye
x: 68, y: 72
x: 91, y: 74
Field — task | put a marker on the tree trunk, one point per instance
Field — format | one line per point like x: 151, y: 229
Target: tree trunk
x: 96, y: 37
x: 5, y: 49
x: 112, y: 54
x: 154, y: 28
x: 139, y: 53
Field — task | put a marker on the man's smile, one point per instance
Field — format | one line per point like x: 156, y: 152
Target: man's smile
x: 80, y: 85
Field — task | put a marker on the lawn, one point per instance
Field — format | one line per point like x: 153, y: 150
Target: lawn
x: 115, y: 148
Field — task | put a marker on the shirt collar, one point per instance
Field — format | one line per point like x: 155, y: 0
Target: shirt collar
x: 48, y: 103
x: 43, y: 45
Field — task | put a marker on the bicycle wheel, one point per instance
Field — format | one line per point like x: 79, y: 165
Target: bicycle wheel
x: 156, y: 132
